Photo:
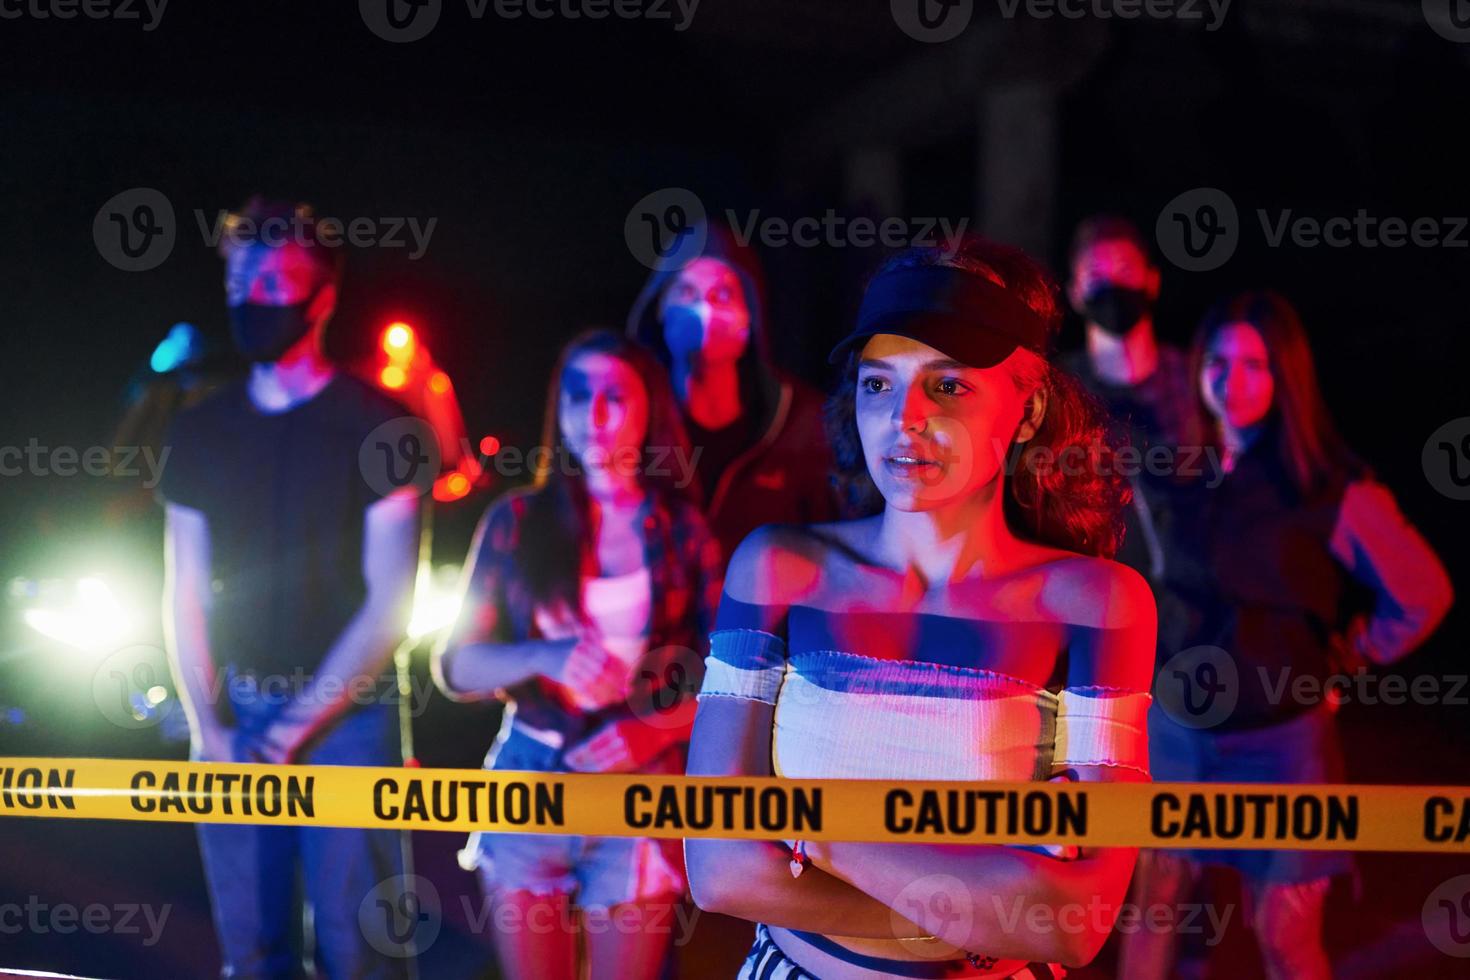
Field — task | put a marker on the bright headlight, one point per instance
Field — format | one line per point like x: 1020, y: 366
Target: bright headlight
x: 91, y: 619
x: 436, y: 601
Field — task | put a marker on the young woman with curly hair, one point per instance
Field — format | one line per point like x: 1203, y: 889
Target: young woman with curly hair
x: 971, y: 628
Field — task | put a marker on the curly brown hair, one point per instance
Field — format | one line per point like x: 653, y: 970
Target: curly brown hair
x: 1075, y: 507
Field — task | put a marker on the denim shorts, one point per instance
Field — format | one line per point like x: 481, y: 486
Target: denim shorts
x: 594, y: 871
x: 1304, y: 749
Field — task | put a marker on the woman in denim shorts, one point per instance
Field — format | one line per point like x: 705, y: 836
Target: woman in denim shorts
x: 1297, y: 566
x: 589, y: 599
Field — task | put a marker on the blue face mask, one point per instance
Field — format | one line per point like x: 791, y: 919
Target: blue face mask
x: 683, y: 330
x: 264, y: 333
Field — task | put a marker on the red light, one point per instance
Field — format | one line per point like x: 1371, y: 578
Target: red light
x: 392, y: 376
x: 398, y: 338
x: 458, y: 485
x: 439, y: 382
x: 489, y: 446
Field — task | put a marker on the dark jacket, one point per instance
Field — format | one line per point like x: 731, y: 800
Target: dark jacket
x: 784, y: 475
x: 1294, y: 587
x: 1151, y: 413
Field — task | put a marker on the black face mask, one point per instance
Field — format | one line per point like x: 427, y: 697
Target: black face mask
x: 264, y: 333
x: 1116, y: 309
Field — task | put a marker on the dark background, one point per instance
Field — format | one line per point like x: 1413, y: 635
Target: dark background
x: 529, y: 141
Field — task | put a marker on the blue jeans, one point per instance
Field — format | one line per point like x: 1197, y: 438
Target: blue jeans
x: 251, y: 870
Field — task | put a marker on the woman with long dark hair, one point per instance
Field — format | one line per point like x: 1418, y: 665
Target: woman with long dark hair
x: 1262, y: 570
x: 971, y: 628
x: 588, y: 601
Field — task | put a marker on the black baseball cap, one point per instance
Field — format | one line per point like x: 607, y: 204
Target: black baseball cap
x: 967, y: 316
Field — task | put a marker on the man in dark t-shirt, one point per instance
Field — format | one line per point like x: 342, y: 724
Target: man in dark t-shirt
x: 290, y: 568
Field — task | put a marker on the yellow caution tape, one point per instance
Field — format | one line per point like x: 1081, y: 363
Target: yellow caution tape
x: 1193, y: 815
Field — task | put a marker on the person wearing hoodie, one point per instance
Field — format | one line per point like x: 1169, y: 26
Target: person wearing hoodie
x: 760, y: 451
x: 1113, y: 284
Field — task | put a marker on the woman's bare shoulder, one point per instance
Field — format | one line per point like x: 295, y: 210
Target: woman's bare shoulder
x: 779, y: 564
x: 1092, y: 592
